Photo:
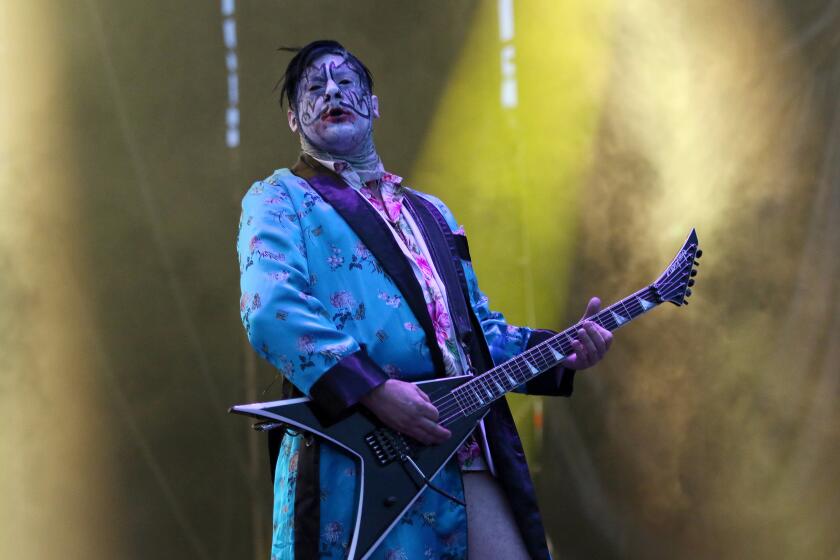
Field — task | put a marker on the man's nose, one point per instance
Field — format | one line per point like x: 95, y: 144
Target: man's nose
x: 332, y: 90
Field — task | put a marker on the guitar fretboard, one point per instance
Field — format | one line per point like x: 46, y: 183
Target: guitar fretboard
x: 493, y: 384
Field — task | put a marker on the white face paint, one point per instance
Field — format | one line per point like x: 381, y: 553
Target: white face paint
x: 335, y: 109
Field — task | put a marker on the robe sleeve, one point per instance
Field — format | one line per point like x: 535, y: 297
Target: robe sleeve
x: 507, y: 341
x: 285, y: 324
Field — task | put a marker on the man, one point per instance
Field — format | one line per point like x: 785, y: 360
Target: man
x: 348, y: 292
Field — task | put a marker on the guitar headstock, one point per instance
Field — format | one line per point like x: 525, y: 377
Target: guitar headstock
x: 675, y: 283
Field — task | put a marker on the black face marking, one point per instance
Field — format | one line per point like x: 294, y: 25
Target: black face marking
x: 351, y: 94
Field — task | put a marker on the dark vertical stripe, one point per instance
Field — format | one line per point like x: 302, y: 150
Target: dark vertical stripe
x: 307, y: 516
x: 434, y: 234
x: 275, y: 440
x: 445, y: 253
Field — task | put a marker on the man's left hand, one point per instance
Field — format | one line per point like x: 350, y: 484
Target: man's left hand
x: 592, y: 341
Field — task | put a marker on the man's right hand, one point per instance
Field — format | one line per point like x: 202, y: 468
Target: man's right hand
x: 405, y: 408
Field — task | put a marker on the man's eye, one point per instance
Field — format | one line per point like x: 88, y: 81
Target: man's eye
x: 345, y: 82
x: 314, y: 88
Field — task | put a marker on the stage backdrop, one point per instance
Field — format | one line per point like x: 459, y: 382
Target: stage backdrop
x: 578, y: 142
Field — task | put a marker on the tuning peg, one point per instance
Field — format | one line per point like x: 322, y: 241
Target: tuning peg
x: 699, y: 254
x: 690, y: 282
x: 696, y: 263
x: 685, y: 301
x: 687, y: 293
x: 693, y: 272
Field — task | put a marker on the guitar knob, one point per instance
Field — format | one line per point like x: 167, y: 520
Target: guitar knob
x: 696, y: 263
x: 699, y: 254
x: 691, y: 282
x: 687, y: 293
x: 390, y: 501
x: 693, y: 272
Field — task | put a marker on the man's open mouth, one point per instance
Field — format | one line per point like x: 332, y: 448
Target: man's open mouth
x: 335, y: 113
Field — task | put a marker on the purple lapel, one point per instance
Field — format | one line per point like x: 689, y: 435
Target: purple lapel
x: 377, y: 236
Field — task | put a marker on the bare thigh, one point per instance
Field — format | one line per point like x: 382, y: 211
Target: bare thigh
x: 491, y: 528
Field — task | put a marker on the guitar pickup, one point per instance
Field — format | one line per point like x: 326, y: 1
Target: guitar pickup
x: 387, y: 445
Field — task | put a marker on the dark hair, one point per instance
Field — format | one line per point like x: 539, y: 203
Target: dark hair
x: 304, y: 56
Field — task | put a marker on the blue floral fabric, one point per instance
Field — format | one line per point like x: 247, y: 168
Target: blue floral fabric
x: 312, y: 293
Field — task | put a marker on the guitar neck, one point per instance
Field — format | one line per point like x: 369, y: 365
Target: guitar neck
x: 494, y: 383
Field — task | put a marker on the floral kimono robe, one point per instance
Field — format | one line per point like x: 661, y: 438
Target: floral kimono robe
x: 329, y: 299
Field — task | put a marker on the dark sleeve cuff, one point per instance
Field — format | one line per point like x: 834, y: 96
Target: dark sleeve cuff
x: 341, y: 386
x: 547, y: 382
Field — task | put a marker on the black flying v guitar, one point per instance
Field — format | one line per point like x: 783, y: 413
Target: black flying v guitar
x: 395, y: 469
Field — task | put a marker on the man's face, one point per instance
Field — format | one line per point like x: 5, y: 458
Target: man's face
x: 335, y: 110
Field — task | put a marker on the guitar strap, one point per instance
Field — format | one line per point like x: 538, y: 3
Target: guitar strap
x: 448, y: 250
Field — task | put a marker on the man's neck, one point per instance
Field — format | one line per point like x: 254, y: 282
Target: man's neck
x: 364, y: 160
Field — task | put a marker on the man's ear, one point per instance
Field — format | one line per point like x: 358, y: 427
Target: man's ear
x: 293, y: 121
x: 374, y: 106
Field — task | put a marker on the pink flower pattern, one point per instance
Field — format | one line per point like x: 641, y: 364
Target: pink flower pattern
x: 390, y: 207
x: 342, y: 299
x: 306, y: 344
x: 332, y: 532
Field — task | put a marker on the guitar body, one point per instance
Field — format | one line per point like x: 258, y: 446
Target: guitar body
x: 389, y: 483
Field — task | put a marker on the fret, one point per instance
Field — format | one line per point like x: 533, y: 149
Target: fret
x: 516, y: 371
x: 465, y: 399
x: 478, y: 391
x: 645, y: 304
x: 510, y: 379
x: 632, y: 308
x: 502, y: 389
x: 458, y: 402
x: 547, y: 357
x: 619, y: 319
x: 605, y: 322
x: 491, y: 396
x: 469, y: 398
x: 501, y: 383
x: 478, y: 402
x: 558, y: 356
x: 461, y: 397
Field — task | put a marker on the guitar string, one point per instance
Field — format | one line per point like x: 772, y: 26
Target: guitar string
x: 627, y: 304
x: 537, y: 354
x: 511, y: 370
x: 514, y: 370
x: 454, y: 408
x: 506, y: 377
x: 539, y: 350
x: 451, y: 403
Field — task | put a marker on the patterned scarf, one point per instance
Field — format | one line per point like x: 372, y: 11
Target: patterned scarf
x: 364, y: 160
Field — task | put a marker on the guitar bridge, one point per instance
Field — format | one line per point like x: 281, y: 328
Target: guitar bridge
x: 387, y: 445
